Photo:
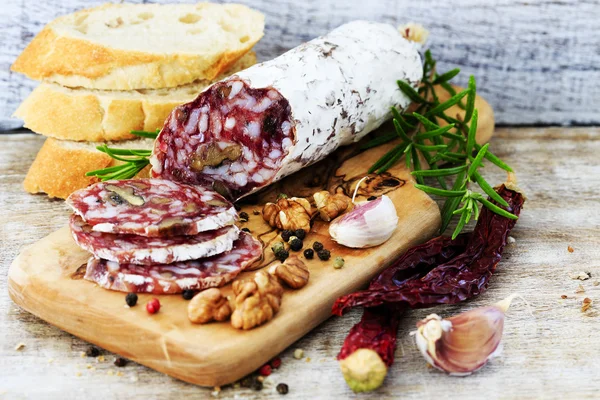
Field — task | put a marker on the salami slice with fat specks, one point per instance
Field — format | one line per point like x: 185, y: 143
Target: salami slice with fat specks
x: 135, y: 249
x: 274, y: 118
x: 200, y: 274
x: 151, y: 207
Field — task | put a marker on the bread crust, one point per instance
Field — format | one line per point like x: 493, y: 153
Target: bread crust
x: 75, y: 62
x: 96, y: 116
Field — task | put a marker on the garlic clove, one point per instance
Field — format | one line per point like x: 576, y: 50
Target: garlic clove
x: 369, y: 224
x: 462, y: 344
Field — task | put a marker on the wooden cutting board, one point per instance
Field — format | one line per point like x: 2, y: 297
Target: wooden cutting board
x: 45, y: 279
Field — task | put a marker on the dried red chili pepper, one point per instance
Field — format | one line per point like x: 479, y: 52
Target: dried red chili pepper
x: 439, y: 271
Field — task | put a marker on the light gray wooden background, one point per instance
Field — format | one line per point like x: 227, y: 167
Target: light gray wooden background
x: 537, y: 62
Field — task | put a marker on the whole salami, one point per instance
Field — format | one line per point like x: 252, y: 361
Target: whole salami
x: 199, y: 274
x: 151, y: 207
x: 275, y: 118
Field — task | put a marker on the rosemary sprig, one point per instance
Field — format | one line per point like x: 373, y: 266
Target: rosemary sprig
x: 134, y: 160
x: 450, y: 151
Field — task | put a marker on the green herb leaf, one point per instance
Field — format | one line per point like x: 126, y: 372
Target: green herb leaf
x: 445, y: 77
x: 441, y: 192
x: 410, y: 92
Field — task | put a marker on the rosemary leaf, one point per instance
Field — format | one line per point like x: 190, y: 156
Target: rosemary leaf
x: 487, y: 188
x: 408, y: 155
x: 447, y: 104
x: 445, y: 77
x: 477, y: 161
x: 390, y: 162
x: 461, y: 224
x: 388, y: 137
x: 417, y: 164
x: 400, y: 131
x: 492, y: 207
x: 472, y: 134
x: 410, y: 92
x: 425, y: 147
x: 435, y: 132
x: 441, y: 172
x: 387, y: 156
x: 495, y: 160
x: 470, y: 99
x: 441, y: 192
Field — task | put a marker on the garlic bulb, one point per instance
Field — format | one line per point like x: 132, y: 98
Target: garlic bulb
x: 462, y: 344
x: 369, y: 224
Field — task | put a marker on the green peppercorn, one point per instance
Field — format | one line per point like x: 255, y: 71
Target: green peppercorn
x: 318, y: 246
x: 300, y: 234
x: 295, y: 243
x: 285, y: 235
x: 188, y: 294
x: 309, y: 254
x: 277, y: 246
x: 324, y: 254
x: 131, y: 299
x: 282, y: 255
x: 282, y: 388
x: 282, y: 196
x: 338, y: 263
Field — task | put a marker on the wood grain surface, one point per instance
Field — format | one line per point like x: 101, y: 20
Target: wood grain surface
x: 45, y: 279
x: 550, y: 347
x: 536, y: 61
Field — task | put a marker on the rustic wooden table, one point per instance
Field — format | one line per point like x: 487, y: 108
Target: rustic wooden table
x: 550, y: 346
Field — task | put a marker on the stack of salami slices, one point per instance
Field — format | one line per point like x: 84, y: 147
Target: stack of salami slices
x: 158, y: 236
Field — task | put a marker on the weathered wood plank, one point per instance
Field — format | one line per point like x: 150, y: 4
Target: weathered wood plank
x: 550, y: 347
x: 536, y: 62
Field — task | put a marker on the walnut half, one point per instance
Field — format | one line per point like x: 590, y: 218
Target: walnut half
x: 208, y: 305
x: 293, y: 272
x: 256, y: 301
x: 331, y: 205
x: 293, y: 213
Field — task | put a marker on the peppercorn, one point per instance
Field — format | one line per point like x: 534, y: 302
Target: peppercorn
x: 277, y: 246
x: 318, y: 246
x: 282, y: 255
x: 92, y: 352
x: 237, y: 208
x: 244, y: 216
x: 120, y: 362
x: 338, y: 263
x: 300, y: 233
x: 275, y: 363
x: 282, y: 388
x: 265, y: 370
x: 286, y: 234
x: 247, y: 382
x: 246, y: 230
x: 153, y: 306
x: 188, y: 294
x: 131, y: 299
x: 255, y: 212
x: 309, y: 254
x: 257, y: 385
x: 295, y: 243
x: 324, y: 254
x: 371, y: 198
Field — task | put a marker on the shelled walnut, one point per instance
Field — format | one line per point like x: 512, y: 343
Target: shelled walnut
x: 288, y: 213
x: 208, y: 305
x: 256, y: 301
x: 331, y: 205
x: 293, y: 272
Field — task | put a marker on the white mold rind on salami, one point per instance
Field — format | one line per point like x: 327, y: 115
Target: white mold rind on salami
x: 135, y: 249
x: 329, y: 92
x: 151, y: 207
x: 200, y: 274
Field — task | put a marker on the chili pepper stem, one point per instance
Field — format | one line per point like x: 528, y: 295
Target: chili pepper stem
x: 363, y: 370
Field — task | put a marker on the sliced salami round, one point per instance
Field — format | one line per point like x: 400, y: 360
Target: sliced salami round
x: 143, y: 250
x: 277, y: 117
x: 200, y: 274
x: 151, y: 207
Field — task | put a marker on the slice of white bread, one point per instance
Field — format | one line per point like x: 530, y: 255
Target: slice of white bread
x: 105, y: 115
x: 60, y: 166
x: 141, y: 46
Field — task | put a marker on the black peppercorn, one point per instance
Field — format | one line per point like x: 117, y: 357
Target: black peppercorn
x: 92, y: 352
x: 324, y: 254
x: 120, y: 362
x: 244, y: 216
x: 370, y: 198
x: 309, y: 254
x: 188, y: 294
x: 286, y: 234
x: 300, y: 234
x: 282, y: 254
x: 255, y: 212
x: 318, y: 246
x: 295, y: 243
x: 257, y: 385
x: 131, y: 299
x: 282, y: 388
x: 246, y: 230
x: 247, y: 382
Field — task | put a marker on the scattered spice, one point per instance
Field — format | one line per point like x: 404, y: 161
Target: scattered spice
x: 511, y: 240
x: 338, y: 263
x: 110, y: 372
x: 20, y: 346
x: 120, y: 362
x: 586, y: 304
x: 188, y: 294
x: 300, y: 234
x: 596, y: 283
x: 244, y: 216
x: 286, y: 235
x: 318, y: 246
x: 582, y: 276
x: 371, y: 198
x: 260, y: 378
x: 570, y: 249
x: 100, y: 358
x: 298, y: 354
x: 247, y: 382
x: 265, y: 370
x: 580, y: 289
x: 257, y: 385
x: 246, y: 230
x: 295, y: 243
x: 92, y: 352
x: 564, y: 296
x: 82, y: 354
x: 309, y: 254
x: 255, y: 212
x: 131, y: 299
x: 279, y: 251
x: 153, y: 306
x: 275, y: 363
x: 282, y: 388
x: 324, y: 254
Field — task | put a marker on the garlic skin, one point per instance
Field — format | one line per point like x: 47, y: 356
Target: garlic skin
x: 369, y: 224
x: 462, y: 344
